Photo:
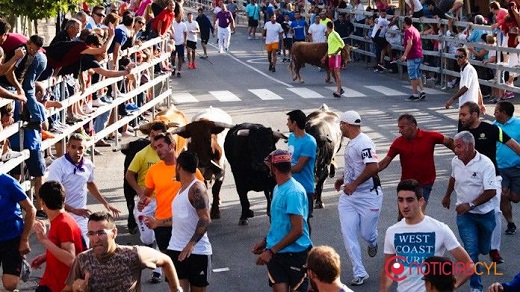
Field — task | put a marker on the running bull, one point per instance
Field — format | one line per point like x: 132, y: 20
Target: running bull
x: 312, y: 53
x: 246, y: 147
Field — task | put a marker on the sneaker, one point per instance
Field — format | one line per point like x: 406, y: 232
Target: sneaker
x: 335, y: 94
x: 155, y: 278
x: 412, y: 98
x: 106, y: 99
x: 98, y: 102
x: 449, y: 15
x: 41, y: 215
x: 131, y: 107
x: 381, y: 67
x: 270, y: 67
x: 87, y: 109
x: 422, y: 95
x: 372, y: 250
x: 508, y: 95
x: 511, y: 229
x: 249, y: 38
x: 178, y: 74
x: 10, y: 154
x: 193, y: 66
x: 274, y: 69
x: 358, y: 281
x: 494, y: 255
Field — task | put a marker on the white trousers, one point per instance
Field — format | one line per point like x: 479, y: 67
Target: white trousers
x: 359, y: 215
x: 224, y: 36
x: 496, y: 236
x: 146, y: 234
x: 83, y: 225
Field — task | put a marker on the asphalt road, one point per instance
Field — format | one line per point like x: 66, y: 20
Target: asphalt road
x: 239, y: 83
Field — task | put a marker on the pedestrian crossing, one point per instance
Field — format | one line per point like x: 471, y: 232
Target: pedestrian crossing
x: 278, y: 93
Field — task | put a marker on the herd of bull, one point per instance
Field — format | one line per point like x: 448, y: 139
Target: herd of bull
x: 213, y: 136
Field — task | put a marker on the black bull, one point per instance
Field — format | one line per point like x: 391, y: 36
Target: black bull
x: 246, y: 146
x: 323, y: 125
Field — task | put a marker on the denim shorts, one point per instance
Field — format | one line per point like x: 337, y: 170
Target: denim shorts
x: 414, y: 68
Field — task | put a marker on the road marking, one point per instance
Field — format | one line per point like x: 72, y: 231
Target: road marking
x: 386, y: 90
x: 428, y: 90
x: 348, y: 92
x: 183, y: 97
x: 265, y: 94
x: 305, y: 92
x: 253, y: 68
x: 219, y: 270
x: 224, y: 95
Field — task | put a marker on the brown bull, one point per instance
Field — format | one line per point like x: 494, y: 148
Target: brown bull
x: 173, y: 118
x: 311, y: 53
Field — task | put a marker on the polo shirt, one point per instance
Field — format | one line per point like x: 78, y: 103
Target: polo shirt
x: 417, y: 156
x: 506, y: 157
x: 473, y: 179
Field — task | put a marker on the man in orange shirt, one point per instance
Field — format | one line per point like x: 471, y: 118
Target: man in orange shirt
x: 162, y: 179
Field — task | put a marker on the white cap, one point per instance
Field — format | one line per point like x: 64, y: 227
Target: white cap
x: 351, y: 118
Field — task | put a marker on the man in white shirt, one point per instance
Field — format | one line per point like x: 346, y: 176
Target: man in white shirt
x: 193, y: 29
x: 76, y: 174
x: 272, y: 36
x: 469, y: 88
x: 409, y: 242
x: 180, y: 34
x: 473, y: 177
x: 317, y: 31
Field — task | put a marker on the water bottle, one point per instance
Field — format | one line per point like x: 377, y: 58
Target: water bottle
x: 141, y: 223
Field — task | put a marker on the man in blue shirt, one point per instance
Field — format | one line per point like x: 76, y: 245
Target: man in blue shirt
x: 302, y: 147
x: 284, y: 250
x: 299, y: 28
x: 14, y: 238
x: 508, y: 162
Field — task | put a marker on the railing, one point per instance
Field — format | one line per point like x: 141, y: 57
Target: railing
x: 119, y: 98
x: 366, y: 42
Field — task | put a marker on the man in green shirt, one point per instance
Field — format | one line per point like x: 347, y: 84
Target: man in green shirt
x: 335, y: 45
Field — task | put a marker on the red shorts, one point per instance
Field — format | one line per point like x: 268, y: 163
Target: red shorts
x: 334, y: 62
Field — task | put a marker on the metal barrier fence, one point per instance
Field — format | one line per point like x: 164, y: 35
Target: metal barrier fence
x: 161, y: 91
x: 363, y: 44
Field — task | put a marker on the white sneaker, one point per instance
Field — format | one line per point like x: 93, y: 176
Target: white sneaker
x: 87, y: 109
x: 127, y: 134
x: 10, y: 154
x: 98, y: 103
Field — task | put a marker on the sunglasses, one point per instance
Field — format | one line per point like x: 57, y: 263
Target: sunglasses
x: 460, y: 56
x: 100, y: 14
x: 140, y: 22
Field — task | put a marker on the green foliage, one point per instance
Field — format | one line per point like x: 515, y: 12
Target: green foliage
x: 39, y: 9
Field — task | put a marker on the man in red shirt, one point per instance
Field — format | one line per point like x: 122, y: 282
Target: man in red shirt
x: 162, y: 23
x: 415, y: 147
x: 62, y: 242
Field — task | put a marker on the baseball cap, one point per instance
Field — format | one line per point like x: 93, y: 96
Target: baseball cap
x: 278, y: 156
x: 351, y: 118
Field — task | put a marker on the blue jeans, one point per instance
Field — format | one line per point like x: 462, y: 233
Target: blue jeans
x: 475, y: 232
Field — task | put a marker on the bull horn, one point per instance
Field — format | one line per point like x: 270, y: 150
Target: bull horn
x: 173, y: 125
x: 223, y: 125
x: 178, y: 130
x: 279, y: 135
x: 243, y: 132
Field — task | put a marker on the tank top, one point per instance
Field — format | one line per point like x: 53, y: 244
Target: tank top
x: 184, y: 222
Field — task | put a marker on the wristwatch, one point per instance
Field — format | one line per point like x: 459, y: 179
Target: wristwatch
x: 471, y: 205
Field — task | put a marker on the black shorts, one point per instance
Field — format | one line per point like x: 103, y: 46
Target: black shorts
x: 196, y: 268
x: 252, y: 22
x: 287, y: 43
x: 10, y: 258
x: 191, y: 44
x: 179, y: 51
x: 204, y: 38
x: 35, y: 164
x: 162, y: 237
x: 289, y: 268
